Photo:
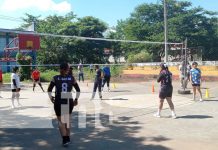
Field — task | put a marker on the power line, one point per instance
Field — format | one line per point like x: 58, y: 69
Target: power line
x: 10, y: 18
x: 84, y: 38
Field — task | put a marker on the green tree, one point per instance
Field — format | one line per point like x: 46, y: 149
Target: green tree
x: 146, y: 24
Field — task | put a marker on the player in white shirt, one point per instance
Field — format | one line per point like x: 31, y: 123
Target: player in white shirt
x: 15, y: 86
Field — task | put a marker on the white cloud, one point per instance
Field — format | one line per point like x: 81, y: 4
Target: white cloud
x: 42, y: 5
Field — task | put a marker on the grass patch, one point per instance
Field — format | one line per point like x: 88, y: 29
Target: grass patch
x: 6, y: 77
x: 47, y: 75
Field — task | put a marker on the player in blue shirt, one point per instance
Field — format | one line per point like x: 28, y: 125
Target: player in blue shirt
x: 195, y: 75
x: 107, y: 77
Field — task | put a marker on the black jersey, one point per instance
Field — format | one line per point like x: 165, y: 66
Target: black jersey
x: 165, y: 77
x: 63, y: 85
x: 98, y: 76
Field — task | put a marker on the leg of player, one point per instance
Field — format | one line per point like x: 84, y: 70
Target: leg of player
x: 99, y: 89
x: 169, y: 101
x: 41, y: 86
x: 34, y: 85
x: 82, y: 77
x: 13, y: 97
x: 108, y: 83
x: 194, y: 92
x: 200, y: 93
x: 67, y: 126
x: 103, y: 83
x: 79, y: 76
x: 18, y: 98
x: 158, y: 114
x: 62, y: 129
x: 94, y: 90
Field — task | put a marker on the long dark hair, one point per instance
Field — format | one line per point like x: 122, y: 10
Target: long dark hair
x: 64, y: 68
x: 164, y: 67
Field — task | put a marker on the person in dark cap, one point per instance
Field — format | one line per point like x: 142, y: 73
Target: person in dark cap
x: 166, y: 89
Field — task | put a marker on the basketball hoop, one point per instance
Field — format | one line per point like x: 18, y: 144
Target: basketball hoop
x: 29, y: 42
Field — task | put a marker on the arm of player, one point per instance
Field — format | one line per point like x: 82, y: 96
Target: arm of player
x: 15, y: 84
x: 50, y: 88
x: 76, y: 86
x: 160, y: 77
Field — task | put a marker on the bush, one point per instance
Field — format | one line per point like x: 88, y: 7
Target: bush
x: 6, y: 77
x: 47, y: 75
x: 25, y: 71
x: 116, y: 70
x: 141, y: 57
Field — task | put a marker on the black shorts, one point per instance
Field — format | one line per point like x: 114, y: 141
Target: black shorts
x: 166, y: 92
x: 36, y: 80
x: 58, y: 108
x: 195, y: 85
x: 15, y: 90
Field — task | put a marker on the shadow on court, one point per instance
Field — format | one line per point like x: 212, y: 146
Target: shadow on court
x: 194, y: 117
x: 115, y: 136
x: 120, y: 91
x: 118, y: 99
x: 211, y: 100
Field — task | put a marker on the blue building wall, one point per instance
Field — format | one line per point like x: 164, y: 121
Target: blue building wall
x: 4, y: 65
x: 7, y: 37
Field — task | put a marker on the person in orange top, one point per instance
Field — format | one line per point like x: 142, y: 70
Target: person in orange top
x: 36, y: 79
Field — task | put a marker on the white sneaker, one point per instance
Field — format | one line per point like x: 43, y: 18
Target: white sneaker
x: 173, y: 116
x: 157, y: 115
x: 201, y: 100
x: 12, y: 106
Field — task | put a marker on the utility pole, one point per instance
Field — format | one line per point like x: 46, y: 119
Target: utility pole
x: 165, y: 33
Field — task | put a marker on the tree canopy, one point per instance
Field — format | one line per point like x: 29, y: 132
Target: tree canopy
x: 146, y: 23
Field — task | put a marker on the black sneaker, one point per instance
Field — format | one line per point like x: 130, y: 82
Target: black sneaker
x: 68, y: 139
x: 65, y: 143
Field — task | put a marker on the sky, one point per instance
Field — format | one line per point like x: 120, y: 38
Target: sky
x: 109, y: 11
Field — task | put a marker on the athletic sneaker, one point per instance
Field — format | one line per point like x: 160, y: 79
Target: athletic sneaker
x: 157, y: 115
x: 201, y: 100
x: 173, y: 115
x: 12, y: 106
x: 65, y: 143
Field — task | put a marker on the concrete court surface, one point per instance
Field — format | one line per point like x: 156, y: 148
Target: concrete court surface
x: 125, y: 121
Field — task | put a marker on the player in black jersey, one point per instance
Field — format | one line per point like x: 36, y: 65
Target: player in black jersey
x: 63, y: 100
x: 166, y: 89
x: 98, y: 82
